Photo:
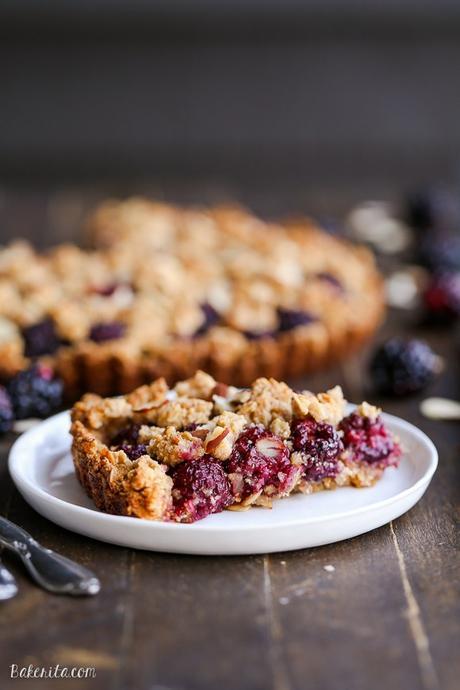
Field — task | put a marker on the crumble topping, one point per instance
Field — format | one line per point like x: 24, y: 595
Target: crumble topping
x: 325, y: 407
x: 268, y: 399
x: 370, y: 411
x: 180, y: 413
x: 149, y: 395
x: 171, y: 446
x: 98, y: 412
x: 201, y: 385
x: 280, y: 427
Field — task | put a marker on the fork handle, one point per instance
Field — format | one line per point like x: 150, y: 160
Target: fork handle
x: 50, y: 570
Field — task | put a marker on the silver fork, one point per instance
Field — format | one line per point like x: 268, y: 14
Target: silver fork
x: 8, y: 586
x: 50, y: 570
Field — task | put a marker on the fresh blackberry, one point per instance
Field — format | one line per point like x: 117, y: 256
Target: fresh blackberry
x: 431, y: 208
x: 40, y: 339
x: 368, y: 440
x: 401, y: 367
x: 442, y: 297
x: 420, y: 210
x: 35, y: 392
x: 319, y: 445
x: 293, y: 318
x: 200, y: 487
x: 101, y: 332
x: 440, y: 252
x: 6, y: 411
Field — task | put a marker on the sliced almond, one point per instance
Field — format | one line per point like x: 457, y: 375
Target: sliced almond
x: 214, y: 442
x: 440, y: 408
x: 270, y: 447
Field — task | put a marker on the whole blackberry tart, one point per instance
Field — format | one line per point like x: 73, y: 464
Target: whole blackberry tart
x: 184, y: 453
x: 166, y: 291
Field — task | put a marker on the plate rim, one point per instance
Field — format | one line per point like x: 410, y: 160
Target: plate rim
x: 20, y: 480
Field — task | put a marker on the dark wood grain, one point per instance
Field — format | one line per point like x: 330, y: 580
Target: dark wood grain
x: 387, y: 616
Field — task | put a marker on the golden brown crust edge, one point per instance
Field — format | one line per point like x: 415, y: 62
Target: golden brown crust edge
x: 116, y: 485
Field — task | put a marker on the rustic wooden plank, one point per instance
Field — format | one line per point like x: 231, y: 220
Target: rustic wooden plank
x: 198, y: 623
x: 343, y: 628
x: 426, y: 538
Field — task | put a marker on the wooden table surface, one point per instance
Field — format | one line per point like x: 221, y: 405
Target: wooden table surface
x: 386, y: 617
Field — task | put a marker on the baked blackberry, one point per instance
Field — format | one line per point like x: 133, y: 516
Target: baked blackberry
x: 35, y: 392
x: 127, y: 440
x: 402, y: 367
x: 442, y: 297
x: 368, y: 440
x: 40, y: 339
x: 109, y: 289
x: 293, y: 318
x: 200, y: 487
x: 210, y: 318
x: 6, y: 411
x: 319, y: 445
x: 259, y: 459
x: 133, y: 451
x: 331, y: 279
x: 101, y: 332
x: 258, y: 335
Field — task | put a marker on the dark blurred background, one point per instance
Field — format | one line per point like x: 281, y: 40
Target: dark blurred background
x: 285, y: 105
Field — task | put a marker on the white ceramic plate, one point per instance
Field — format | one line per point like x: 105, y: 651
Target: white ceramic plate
x: 41, y: 467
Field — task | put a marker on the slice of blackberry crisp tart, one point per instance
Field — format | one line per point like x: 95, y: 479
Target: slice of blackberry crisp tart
x: 180, y: 454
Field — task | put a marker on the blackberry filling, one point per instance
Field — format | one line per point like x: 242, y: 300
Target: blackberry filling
x: 129, y: 434
x: 369, y: 440
x: 200, y: 488
x: 210, y: 319
x: 331, y: 279
x: 320, y: 446
x: 133, y: 451
x: 259, y: 460
x: 127, y: 440
x: 110, y: 289
x: 258, y: 335
x: 288, y: 319
x: 40, y: 339
x: 101, y: 332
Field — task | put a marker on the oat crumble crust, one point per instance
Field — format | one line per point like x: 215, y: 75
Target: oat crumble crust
x: 199, y: 428
x: 191, y: 288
